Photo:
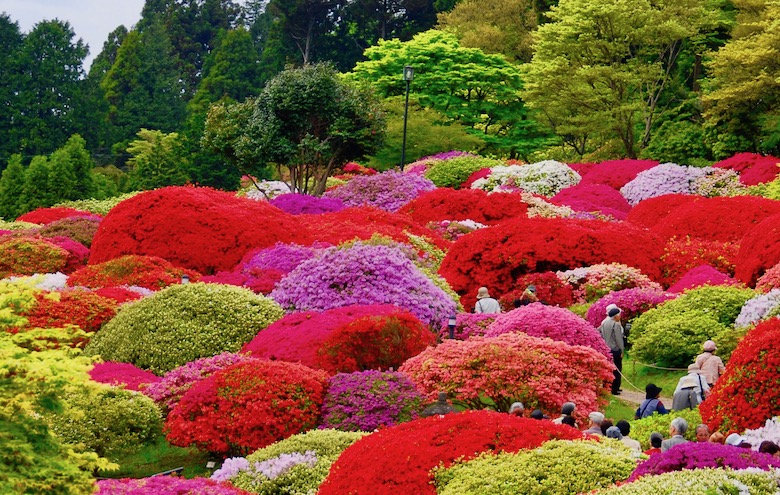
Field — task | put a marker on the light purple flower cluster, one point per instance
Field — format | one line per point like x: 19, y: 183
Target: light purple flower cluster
x: 388, y: 190
x: 269, y: 469
x: 363, y: 274
x: 447, y: 155
x: 666, y: 178
x: 168, y: 391
x: 700, y: 455
x: 633, y: 302
x: 540, y: 320
x: 758, y: 308
x: 700, y: 276
x: 165, y: 485
x: 366, y: 400
x: 468, y: 325
x: 297, y: 204
x: 281, y: 257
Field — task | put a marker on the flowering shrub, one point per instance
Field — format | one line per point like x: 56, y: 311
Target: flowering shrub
x: 278, y: 260
x: 182, y: 323
x: 468, y: 325
x: 197, y: 228
x: 168, y: 390
x: 464, y: 204
x: 123, y: 294
x: 479, y: 174
x: 326, y: 445
x: 454, y: 171
x: 421, y: 165
x: 593, y: 197
x: 642, y: 428
x: 632, y: 303
x: 667, y: 178
x: 122, y: 375
x: 150, y: 272
x: 98, y: 206
x: 296, y: 204
x: 247, y: 406
x: 718, y: 182
x: 684, y: 254
x: 366, y: 400
x: 84, y: 309
x: 550, y: 290
x: 388, y: 191
x: 26, y: 256
x: 769, y: 280
x: 374, y: 342
x: 593, y: 282
x: 80, y: 229
x: 748, y: 393
x: 753, y: 168
x: 702, y: 275
x: 699, y: 482
x: 694, y: 455
x: 652, y: 210
x: 541, y: 373
x: 267, y: 470
x: 557, y: 467
x: 758, y: 308
x: 616, y: 173
x: 410, y: 450
x: 363, y: 274
x: 770, y: 431
x: 758, y: 251
x: 546, y: 178
x: 46, y: 216
x: 166, y: 485
x: 264, y: 190
x: 78, y: 254
x: 539, y: 320
x: 496, y: 257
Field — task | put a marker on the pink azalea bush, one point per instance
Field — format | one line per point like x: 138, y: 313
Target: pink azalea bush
x: 592, y: 197
x: 297, y: 204
x: 769, y: 280
x: 632, y: 303
x: 753, y: 168
x: 388, y: 190
x: 78, y: 253
x: 539, y: 320
x: 702, y: 275
x: 592, y: 282
x: 166, y: 485
x: 468, y: 325
x: 122, y: 374
x: 616, y: 173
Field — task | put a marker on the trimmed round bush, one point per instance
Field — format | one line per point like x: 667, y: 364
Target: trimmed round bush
x: 80, y: 229
x: 366, y: 400
x: 166, y: 485
x: 198, y: 228
x: 546, y: 178
x: 27, y: 256
x: 122, y: 375
x: 84, y: 309
x: 616, y: 173
x: 753, y: 168
x: 686, y: 253
x: 700, y: 276
x: 78, y: 253
x: 149, y: 272
x: 388, y: 191
x: 183, y: 323
x: 632, y: 303
x: 247, y: 406
x: 296, y: 204
x: 593, y: 197
x: 652, y: 210
x: 698, y: 482
x: 759, y: 250
x: 45, y: 216
x: 769, y: 280
x: 667, y: 178
x: 464, y: 204
x: 592, y: 282
x: 455, y: 171
x: 642, y: 428
x: 558, y: 467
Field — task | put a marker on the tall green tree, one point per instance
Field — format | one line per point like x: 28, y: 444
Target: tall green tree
x: 11, y: 40
x: 158, y: 160
x: 11, y: 188
x: 39, y: 191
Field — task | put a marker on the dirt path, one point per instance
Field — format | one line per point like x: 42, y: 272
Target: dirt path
x: 636, y: 397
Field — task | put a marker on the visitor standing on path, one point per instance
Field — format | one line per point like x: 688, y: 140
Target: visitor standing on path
x: 612, y: 332
x: 485, y: 303
x: 711, y: 366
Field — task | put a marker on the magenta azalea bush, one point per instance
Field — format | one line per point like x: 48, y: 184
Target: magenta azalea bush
x: 698, y: 455
x: 468, y: 325
x: 297, y: 204
x: 702, y: 275
x: 366, y: 400
x: 632, y: 302
x: 388, y: 191
x: 363, y: 274
x: 281, y: 257
x: 166, y: 485
x: 122, y: 374
x: 539, y: 320
x: 666, y: 178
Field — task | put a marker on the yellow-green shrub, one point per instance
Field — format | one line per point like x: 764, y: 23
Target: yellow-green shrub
x: 642, y: 428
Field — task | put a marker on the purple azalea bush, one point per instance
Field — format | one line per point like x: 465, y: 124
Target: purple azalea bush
x: 388, y: 191
x: 269, y: 469
x: 633, y: 302
x: 366, y: 400
x: 666, y: 178
x: 363, y: 274
x: 297, y: 204
x: 166, y: 485
x: 540, y: 320
x: 281, y: 257
x: 701, y: 455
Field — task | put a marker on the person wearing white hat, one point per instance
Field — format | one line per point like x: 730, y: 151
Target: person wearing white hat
x: 735, y: 439
x: 485, y: 303
x: 711, y: 366
x: 612, y: 332
x: 701, y: 387
x: 686, y: 397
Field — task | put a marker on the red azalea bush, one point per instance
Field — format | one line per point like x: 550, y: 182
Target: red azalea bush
x: 80, y: 229
x: 122, y: 374
x: 28, y: 256
x: 748, y: 393
x: 194, y: 227
x: 247, y: 406
x: 632, y: 303
x: 735, y: 216
x: 398, y: 460
x: 475, y: 176
x: 683, y: 254
x: 539, y: 320
x: 539, y: 372
x: 652, y: 210
x: 150, y: 272
x: 298, y: 337
x: 616, y: 173
x: 498, y: 256
x: 592, y: 197
x: 550, y: 290
x: 87, y: 310
x: 702, y: 275
x: 374, y: 343
x: 753, y: 168
x: 46, y: 216
x: 78, y: 254
x: 759, y: 250
x: 464, y: 204
x: 119, y: 294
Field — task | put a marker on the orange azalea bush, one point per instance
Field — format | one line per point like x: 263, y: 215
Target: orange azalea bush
x: 150, y: 272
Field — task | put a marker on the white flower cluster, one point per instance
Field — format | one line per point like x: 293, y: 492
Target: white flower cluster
x: 757, y: 308
x: 546, y: 178
x: 269, y: 189
x: 770, y: 431
x: 46, y: 281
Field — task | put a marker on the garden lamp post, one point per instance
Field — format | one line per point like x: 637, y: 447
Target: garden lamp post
x: 408, y: 76
x: 451, y: 324
x: 185, y: 279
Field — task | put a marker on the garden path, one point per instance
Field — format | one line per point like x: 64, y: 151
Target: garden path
x: 637, y: 397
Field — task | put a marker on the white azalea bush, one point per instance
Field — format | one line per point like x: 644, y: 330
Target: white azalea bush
x: 546, y: 178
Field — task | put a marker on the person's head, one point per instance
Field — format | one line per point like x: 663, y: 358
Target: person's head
x: 624, y: 427
x: 567, y: 409
x: 734, y: 439
x: 687, y: 382
x: 693, y: 367
x: 718, y: 437
x: 652, y: 391
x: 537, y: 414
x: 678, y: 426
x: 596, y: 418
x: 569, y: 420
x: 517, y: 409
x: 614, y: 432
x: 610, y: 307
x: 483, y: 293
x: 656, y: 439
x: 614, y: 313
x: 702, y: 433
x: 531, y: 289
x: 709, y: 346
x: 769, y: 447
x: 606, y: 425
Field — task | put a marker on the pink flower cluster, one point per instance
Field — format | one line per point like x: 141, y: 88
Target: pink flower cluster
x: 702, y: 275
x: 122, y: 374
x: 166, y: 485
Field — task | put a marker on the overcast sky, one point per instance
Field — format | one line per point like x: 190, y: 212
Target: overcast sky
x: 91, y: 20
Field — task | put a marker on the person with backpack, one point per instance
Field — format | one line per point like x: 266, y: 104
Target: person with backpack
x: 652, y: 404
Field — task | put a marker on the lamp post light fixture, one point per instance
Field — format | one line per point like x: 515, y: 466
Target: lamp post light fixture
x: 408, y: 76
x: 451, y: 324
x: 185, y: 279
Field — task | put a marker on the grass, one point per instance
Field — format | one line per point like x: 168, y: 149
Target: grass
x: 640, y: 376
x: 158, y: 457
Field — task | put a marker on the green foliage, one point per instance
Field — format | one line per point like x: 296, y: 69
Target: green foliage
x: 106, y: 420
x: 157, y: 457
x: 681, y: 142
x: 454, y: 171
x: 97, y: 206
x: 15, y: 297
x: 11, y: 188
x: 182, y: 323
x: 158, y: 160
x: 699, y: 482
x: 557, y: 467
x: 642, y: 428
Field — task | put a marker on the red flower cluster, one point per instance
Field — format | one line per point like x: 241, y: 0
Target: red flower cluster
x: 473, y: 204
x: 498, y: 256
x: 475, y: 176
x: 374, y: 343
x: 652, y: 210
x: 582, y: 168
x: 748, y: 393
x: 753, y: 168
x: 118, y: 294
x: 247, y: 406
x: 46, y: 216
x: 144, y: 271
x: 550, y: 290
x: 193, y: 227
x: 593, y: 197
x: 616, y: 173
x: 87, y: 310
x: 759, y: 250
x: 398, y: 460
x: 122, y: 374
x: 683, y: 255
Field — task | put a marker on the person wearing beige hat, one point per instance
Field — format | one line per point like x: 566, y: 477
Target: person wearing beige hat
x: 686, y: 397
x: 485, y: 303
x: 701, y: 387
x: 711, y: 366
